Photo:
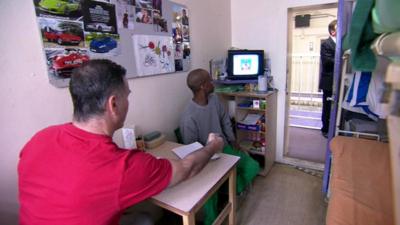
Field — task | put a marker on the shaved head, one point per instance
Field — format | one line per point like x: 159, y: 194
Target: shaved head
x: 196, y: 78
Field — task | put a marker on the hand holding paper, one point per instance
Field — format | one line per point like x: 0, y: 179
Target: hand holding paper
x: 185, y: 150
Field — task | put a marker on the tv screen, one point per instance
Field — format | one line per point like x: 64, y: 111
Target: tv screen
x: 245, y: 64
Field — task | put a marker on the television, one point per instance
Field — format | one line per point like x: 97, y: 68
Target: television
x: 245, y: 64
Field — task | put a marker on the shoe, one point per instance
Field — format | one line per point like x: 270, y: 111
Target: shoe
x: 325, y: 134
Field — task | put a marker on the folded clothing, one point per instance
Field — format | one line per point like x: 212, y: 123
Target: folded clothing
x: 364, y: 95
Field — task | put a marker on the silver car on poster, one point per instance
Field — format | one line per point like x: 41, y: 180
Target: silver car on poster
x: 100, y: 27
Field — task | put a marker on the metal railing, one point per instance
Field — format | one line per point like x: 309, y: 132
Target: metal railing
x: 305, y: 79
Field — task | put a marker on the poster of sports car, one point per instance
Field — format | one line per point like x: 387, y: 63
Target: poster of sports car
x: 153, y: 54
x: 99, y: 17
x: 102, y: 45
x: 61, y: 33
x: 61, y: 62
x: 67, y: 9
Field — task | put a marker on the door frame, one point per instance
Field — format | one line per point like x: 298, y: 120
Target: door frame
x: 287, y: 159
x: 343, y: 22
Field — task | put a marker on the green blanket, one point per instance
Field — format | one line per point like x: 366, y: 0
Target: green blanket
x: 361, y: 36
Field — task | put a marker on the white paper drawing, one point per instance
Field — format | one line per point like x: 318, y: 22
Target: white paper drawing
x: 153, y: 54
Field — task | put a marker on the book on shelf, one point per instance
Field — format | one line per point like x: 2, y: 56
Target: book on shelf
x: 251, y: 119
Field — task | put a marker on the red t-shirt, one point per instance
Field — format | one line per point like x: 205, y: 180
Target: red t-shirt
x: 69, y: 176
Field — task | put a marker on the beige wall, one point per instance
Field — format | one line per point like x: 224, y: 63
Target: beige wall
x: 30, y: 103
x: 263, y: 25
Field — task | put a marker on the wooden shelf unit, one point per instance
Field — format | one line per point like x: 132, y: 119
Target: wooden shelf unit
x: 269, y: 113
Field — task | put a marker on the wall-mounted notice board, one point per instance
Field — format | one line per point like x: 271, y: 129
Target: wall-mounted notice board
x: 147, y: 37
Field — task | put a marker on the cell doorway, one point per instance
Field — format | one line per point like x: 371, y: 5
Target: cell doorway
x: 305, y: 144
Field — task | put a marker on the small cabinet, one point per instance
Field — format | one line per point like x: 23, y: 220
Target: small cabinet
x: 258, y: 138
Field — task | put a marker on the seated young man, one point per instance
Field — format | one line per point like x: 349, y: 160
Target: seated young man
x: 204, y: 114
x: 73, y: 173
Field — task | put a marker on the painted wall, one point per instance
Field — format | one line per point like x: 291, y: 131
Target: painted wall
x: 263, y: 25
x: 30, y: 103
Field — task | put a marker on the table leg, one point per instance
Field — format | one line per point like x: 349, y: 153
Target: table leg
x: 232, y: 196
x: 189, y: 219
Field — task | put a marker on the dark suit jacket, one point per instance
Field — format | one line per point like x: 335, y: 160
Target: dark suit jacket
x: 327, y: 64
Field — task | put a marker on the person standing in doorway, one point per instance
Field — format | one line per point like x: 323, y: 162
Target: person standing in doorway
x: 326, y: 75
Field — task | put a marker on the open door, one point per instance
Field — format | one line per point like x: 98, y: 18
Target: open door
x: 343, y: 21
x: 304, y: 143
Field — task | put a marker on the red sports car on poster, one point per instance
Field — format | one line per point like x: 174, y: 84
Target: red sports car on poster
x: 62, y: 38
x: 63, y: 64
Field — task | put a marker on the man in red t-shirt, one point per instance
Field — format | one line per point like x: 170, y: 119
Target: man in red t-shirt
x: 74, y: 174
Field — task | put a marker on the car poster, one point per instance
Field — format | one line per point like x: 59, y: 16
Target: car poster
x: 99, y: 17
x: 61, y: 28
x: 61, y: 62
x: 61, y: 33
x: 102, y: 45
x: 58, y: 9
x: 181, y: 37
x: 125, y: 10
x: 153, y: 54
x: 75, y: 31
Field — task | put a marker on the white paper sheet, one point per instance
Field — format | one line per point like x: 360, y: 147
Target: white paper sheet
x: 185, y: 150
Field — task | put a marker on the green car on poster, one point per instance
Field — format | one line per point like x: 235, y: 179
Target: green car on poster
x: 63, y: 7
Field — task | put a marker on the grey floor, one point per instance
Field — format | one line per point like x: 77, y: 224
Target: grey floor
x: 307, y: 144
x: 305, y: 139
x: 286, y: 196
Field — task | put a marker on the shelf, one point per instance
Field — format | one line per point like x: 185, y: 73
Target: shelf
x: 253, y: 94
x: 235, y: 81
x: 252, y: 131
x: 250, y: 108
x: 246, y: 134
x: 257, y: 152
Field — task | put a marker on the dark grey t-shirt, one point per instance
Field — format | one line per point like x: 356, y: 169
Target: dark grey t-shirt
x: 198, y: 121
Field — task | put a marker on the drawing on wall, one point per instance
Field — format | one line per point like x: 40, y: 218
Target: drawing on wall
x: 125, y: 10
x: 153, y: 54
x: 61, y: 33
x: 99, y: 17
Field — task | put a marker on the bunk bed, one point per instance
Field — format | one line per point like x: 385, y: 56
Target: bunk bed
x: 388, y: 45
x: 365, y: 179
x: 365, y: 175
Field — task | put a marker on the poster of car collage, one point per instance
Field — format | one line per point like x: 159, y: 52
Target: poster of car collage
x: 74, y: 31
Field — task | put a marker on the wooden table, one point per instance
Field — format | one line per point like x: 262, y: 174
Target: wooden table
x: 188, y: 197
